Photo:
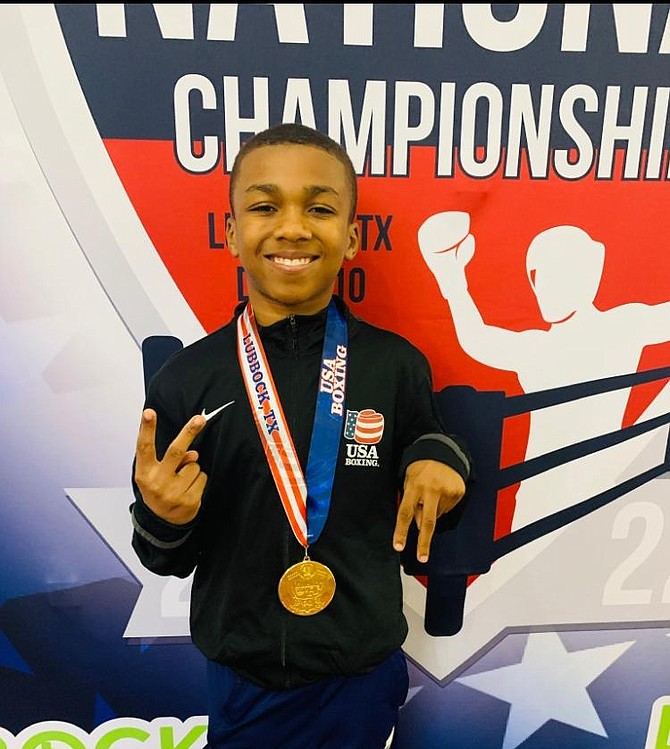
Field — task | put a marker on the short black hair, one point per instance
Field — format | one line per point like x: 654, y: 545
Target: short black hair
x: 300, y: 135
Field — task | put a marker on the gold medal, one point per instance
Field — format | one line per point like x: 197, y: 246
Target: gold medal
x: 306, y: 588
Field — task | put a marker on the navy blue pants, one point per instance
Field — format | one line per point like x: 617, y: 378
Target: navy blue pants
x: 355, y: 712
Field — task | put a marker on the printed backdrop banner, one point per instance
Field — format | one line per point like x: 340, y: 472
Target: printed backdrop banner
x: 513, y: 166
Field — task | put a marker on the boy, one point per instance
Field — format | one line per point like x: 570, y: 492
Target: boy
x: 297, y: 597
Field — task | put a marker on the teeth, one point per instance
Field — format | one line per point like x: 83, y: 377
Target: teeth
x: 291, y: 260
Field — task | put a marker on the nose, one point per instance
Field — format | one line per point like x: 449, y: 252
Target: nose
x: 292, y: 225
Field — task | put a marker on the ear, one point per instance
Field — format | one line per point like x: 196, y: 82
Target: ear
x: 231, y: 239
x: 354, y: 242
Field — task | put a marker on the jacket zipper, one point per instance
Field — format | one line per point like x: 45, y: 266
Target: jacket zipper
x: 293, y: 323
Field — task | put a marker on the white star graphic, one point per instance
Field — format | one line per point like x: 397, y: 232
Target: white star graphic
x: 549, y: 684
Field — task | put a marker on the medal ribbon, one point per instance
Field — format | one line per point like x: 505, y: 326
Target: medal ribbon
x: 302, y: 496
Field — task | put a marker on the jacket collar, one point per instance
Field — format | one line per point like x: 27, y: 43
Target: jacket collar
x: 308, y: 330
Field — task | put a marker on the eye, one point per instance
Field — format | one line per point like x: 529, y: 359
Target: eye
x: 324, y: 210
x: 261, y: 208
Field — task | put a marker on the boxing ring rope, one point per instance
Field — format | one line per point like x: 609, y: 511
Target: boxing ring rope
x: 467, y: 546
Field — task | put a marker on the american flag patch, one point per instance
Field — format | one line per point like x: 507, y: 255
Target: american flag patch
x: 365, y: 427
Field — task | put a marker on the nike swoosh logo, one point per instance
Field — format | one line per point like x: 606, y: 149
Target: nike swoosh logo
x: 213, y: 413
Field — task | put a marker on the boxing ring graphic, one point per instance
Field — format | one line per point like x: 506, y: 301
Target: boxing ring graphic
x: 468, y: 546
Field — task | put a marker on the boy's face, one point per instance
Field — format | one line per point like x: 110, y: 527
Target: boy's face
x: 290, y: 228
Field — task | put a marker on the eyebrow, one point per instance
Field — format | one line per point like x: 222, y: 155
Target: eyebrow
x: 310, y: 190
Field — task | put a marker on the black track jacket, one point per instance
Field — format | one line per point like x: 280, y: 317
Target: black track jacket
x: 241, y: 543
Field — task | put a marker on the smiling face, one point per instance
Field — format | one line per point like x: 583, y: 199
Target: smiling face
x: 290, y: 228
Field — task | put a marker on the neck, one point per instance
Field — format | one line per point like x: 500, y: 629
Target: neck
x: 268, y: 311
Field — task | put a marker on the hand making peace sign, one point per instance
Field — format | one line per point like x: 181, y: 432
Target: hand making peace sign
x: 172, y: 487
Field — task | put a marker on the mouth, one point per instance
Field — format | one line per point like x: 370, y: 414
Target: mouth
x: 291, y: 262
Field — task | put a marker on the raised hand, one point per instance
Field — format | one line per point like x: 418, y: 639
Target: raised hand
x: 172, y: 487
x: 447, y: 247
x: 431, y: 489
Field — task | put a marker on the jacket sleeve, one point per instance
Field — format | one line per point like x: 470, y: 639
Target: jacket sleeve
x: 446, y: 448
x: 425, y: 436
x: 163, y: 547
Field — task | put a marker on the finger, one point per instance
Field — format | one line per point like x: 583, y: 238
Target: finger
x: 187, y: 473
x: 145, y: 451
x: 403, y: 520
x: 426, y: 531
x: 418, y: 514
x: 190, y: 456
x: 196, y: 489
x: 180, y: 444
x: 198, y: 486
x: 191, y: 499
